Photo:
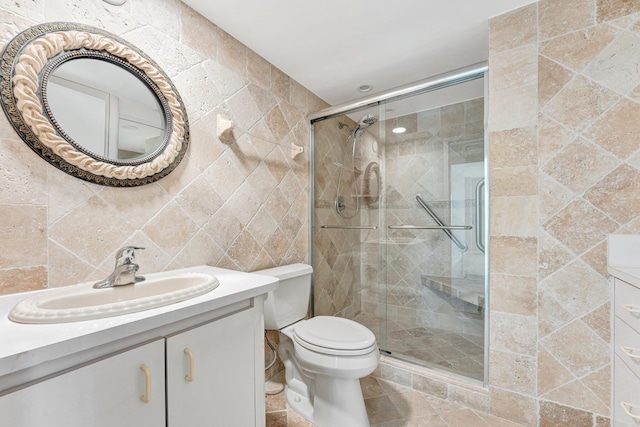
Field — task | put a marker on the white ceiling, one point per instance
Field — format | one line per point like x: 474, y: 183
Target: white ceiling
x: 333, y: 46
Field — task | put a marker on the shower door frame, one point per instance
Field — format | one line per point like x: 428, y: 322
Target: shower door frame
x: 440, y: 81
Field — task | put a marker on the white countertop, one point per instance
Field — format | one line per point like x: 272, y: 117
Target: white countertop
x: 24, y: 346
x: 630, y: 275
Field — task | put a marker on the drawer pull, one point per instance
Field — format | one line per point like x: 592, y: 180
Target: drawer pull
x: 146, y: 397
x: 630, y: 308
x: 189, y: 354
x: 629, y: 352
x: 628, y: 407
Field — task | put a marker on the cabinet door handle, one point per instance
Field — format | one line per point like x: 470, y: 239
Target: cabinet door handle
x: 627, y: 408
x: 192, y: 366
x: 630, y: 308
x: 146, y: 397
x: 629, y: 352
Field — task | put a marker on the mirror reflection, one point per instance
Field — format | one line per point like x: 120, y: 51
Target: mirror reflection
x: 106, y: 109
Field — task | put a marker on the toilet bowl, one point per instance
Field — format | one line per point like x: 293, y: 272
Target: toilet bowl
x: 324, y: 357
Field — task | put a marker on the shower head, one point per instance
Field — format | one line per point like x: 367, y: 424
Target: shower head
x: 368, y: 120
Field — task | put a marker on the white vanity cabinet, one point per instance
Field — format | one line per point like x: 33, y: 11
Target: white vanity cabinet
x: 212, y: 375
x: 105, y: 393
x: 198, y: 363
x: 624, y: 266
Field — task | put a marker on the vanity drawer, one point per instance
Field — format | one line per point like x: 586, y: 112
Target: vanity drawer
x: 627, y: 345
x: 627, y: 304
x: 626, y: 399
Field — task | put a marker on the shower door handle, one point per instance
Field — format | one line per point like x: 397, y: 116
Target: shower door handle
x: 480, y: 215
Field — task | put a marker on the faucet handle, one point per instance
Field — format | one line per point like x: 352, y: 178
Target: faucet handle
x: 126, y: 254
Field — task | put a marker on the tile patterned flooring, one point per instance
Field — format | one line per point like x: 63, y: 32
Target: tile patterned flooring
x: 392, y: 405
x: 461, y: 354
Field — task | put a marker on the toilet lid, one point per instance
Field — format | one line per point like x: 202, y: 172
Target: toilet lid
x: 327, y: 333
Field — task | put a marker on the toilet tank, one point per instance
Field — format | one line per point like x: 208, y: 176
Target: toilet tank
x: 288, y: 303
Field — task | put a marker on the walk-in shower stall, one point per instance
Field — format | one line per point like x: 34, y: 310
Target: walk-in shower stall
x: 400, y: 212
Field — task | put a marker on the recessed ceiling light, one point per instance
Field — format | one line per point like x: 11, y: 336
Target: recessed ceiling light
x: 399, y: 129
x: 116, y: 2
x: 365, y: 88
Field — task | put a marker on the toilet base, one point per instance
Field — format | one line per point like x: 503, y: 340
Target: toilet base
x: 336, y: 402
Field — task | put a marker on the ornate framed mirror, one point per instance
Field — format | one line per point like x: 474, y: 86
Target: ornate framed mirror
x: 93, y: 105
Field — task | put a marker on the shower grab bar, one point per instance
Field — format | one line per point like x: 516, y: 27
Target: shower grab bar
x: 430, y: 227
x: 462, y: 246
x: 350, y: 227
x: 480, y: 215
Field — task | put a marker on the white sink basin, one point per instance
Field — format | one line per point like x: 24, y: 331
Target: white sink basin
x: 83, y: 302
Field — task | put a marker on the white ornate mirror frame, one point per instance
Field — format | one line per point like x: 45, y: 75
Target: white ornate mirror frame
x: 25, y: 66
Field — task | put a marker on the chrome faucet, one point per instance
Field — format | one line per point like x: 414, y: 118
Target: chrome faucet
x: 125, y: 270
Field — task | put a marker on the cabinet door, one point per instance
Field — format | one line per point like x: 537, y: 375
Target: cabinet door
x: 104, y: 393
x: 213, y: 377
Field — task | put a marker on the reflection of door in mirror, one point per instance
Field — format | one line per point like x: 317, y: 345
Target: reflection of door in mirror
x: 106, y: 109
x: 83, y: 113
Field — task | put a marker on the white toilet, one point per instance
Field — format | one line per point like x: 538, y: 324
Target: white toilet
x: 324, y: 357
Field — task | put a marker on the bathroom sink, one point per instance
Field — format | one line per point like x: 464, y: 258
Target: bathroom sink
x: 83, y: 302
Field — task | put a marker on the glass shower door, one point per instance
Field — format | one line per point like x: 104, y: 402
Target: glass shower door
x: 399, y: 223
x: 434, y: 235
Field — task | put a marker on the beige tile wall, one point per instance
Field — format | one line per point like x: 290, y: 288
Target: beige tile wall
x: 242, y: 207
x: 563, y: 114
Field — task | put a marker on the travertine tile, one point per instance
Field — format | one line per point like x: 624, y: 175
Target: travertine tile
x: 513, y: 294
x: 23, y: 174
x: 599, y: 382
x: 551, y: 78
x: 516, y: 372
x: 618, y: 194
x: 580, y: 226
x: 513, y: 29
x: 513, y: 333
x: 551, y: 315
x: 513, y: 68
x: 576, y: 50
x: 172, y: 57
x: 137, y: 204
x: 98, y: 230
x: 578, y: 348
x: 514, y: 181
x: 22, y: 279
x: 551, y: 138
x: 258, y: 70
x: 611, y: 9
x: 559, y: 17
x: 198, y: 32
x: 513, y: 147
x: 551, y: 373
x: 65, y: 267
x: 514, y: 255
x: 600, y: 321
x: 280, y: 84
x: 577, y: 288
x: 597, y: 259
x: 514, y: 216
x: 513, y: 406
x: 617, y: 66
x: 171, y: 229
x: 579, y: 103
x: 552, y: 196
x: 553, y: 415
x: 513, y: 108
x: 231, y: 53
x: 615, y: 131
x: 576, y: 395
x: 200, y: 96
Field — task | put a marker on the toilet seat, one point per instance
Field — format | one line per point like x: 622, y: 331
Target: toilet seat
x: 334, y: 336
